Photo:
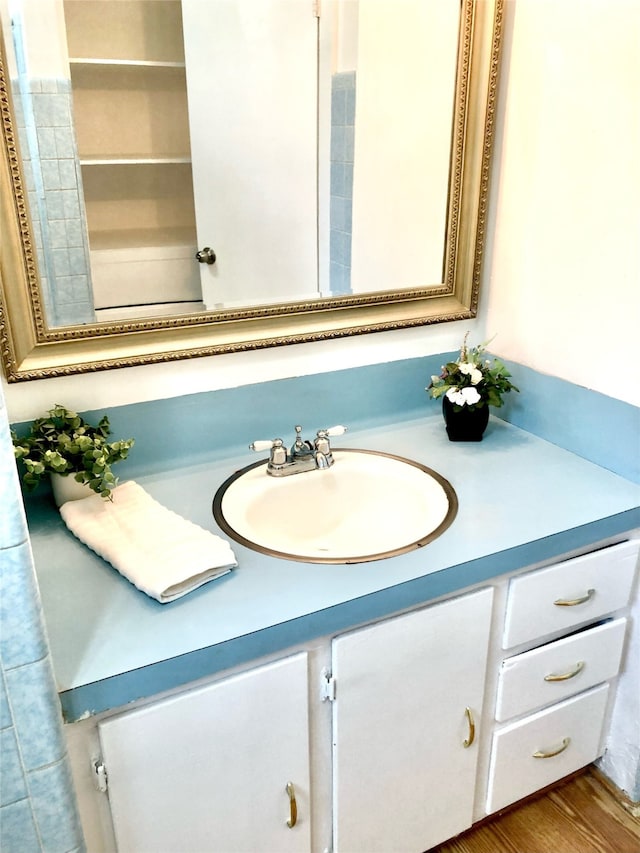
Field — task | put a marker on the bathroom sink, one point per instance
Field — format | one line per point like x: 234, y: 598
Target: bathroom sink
x: 366, y: 506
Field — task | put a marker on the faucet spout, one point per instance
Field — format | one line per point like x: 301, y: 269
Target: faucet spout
x: 300, y: 448
x: 322, y: 461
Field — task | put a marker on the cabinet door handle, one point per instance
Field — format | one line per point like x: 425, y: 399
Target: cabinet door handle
x: 206, y: 256
x: 565, y: 743
x: 571, y: 602
x: 565, y: 676
x: 472, y: 728
x: 293, y: 806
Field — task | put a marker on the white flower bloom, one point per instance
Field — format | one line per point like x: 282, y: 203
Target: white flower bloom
x: 472, y: 371
x: 470, y: 395
x: 463, y: 396
x: 455, y: 396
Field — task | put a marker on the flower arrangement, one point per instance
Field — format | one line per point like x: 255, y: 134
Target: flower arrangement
x: 472, y: 381
x: 63, y: 443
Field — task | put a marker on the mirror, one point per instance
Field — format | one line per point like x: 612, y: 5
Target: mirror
x: 314, y: 307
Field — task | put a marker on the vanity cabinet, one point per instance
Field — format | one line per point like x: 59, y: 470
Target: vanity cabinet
x: 532, y: 750
x: 396, y: 735
x: 409, y: 692
x: 220, y: 768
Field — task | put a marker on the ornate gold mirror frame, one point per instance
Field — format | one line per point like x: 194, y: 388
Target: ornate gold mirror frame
x: 32, y: 350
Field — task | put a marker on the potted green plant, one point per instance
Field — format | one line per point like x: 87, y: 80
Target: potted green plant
x: 468, y: 386
x: 62, y: 443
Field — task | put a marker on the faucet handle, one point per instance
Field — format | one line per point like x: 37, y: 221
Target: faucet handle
x: 263, y: 445
x: 278, y: 455
x: 334, y: 430
x: 322, y: 445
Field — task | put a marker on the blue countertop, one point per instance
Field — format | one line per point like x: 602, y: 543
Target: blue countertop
x: 521, y: 500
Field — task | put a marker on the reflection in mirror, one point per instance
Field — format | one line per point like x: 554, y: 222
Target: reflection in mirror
x: 292, y: 144
x: 125, y: 162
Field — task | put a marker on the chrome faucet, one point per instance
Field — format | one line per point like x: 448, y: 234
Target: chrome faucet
x: 303, y: 455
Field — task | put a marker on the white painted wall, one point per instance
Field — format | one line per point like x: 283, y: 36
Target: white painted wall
x: 162, y: 381
x: 404, y: 105
x: 344, y: 41
x: 46, y: 47
x: 561, y: 277
x: 564, y: 292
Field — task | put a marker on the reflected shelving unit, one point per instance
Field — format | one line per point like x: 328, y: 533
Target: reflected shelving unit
x: 128, y: 77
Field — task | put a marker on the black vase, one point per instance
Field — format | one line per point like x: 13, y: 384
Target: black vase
x: 466, y: 424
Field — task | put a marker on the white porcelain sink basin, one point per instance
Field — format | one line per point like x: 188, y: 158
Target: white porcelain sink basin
x: 367, y: 506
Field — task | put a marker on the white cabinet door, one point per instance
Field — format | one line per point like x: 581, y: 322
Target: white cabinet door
x: 207, y: 770
x: 252, y: 77
x: 403, y: 778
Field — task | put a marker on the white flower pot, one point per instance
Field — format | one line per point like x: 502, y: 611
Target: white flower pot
x: 67, y: 488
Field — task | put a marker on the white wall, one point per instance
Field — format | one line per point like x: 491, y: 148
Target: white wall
x: 404, y: 106
x: 344, y: 39
x: 27, y: 400
x: 564, y: 265
x: 46, y: 46
x: 561, y: 276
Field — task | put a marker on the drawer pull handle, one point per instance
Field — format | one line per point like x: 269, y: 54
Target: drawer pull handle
x: 565, y: 743
x: 571, y: 602
x: 472, y: 728
x: 565, y: 676
x: 293, y: 806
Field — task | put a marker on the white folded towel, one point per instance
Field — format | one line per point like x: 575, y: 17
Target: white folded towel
x: 160, y: 552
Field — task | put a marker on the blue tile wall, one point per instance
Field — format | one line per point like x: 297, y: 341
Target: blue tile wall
x: 22, y: 640
x: 38, y: 812
x: 343, y: 116
x: 12, y: 781
x: 17, y: 829
x: 54, y: 806
x: 52, y: 175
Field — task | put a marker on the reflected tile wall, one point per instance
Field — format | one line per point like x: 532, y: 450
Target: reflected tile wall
x: 54, y: 183
x: 343, y: 114
x: 37, y: 805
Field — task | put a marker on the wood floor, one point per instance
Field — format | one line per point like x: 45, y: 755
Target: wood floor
x: 580, y: 816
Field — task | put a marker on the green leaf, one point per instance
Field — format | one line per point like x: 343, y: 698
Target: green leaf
x: 63, y: 442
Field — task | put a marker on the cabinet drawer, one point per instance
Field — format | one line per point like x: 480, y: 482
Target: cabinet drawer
x: 560, y: 669
x: 568, y: 733
x: 570, y: 593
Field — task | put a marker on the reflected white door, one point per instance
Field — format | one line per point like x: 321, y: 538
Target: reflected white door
x: 252, y: 90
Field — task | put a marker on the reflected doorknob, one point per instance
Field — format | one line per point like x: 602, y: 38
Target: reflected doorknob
x: 206, y: 256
